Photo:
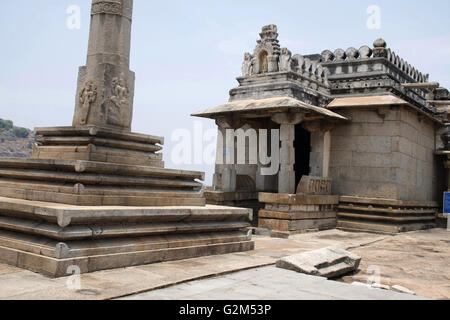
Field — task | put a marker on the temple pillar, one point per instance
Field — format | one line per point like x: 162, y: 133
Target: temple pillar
x: 326, y: 154
x: 286, y: 175
x: 225, y: 175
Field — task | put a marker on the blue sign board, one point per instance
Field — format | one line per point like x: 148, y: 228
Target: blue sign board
x: 446, y: 202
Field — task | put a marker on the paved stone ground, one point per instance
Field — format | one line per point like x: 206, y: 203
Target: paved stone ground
x: 425, y: 254
x: 269, y: 283
x: 419, y: 261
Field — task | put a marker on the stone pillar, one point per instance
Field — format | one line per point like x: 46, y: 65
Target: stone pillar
x: 326, y: 154
x: 225, y: 173
x: 286, y: 175
x: 106, y: 85
x: 272, y: 62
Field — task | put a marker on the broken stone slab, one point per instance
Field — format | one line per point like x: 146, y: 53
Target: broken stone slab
x: 401, y: 289
x: 373, y: 285
x: 329, y: 262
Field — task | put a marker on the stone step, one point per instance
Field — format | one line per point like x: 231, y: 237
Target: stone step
x: 98, y: 150
x: 359, y: 216
x: 387, y: 202
x: 383, y: 228
x: 65, y: 215
x: 79, y: 248
x: 96, y: 179
x: 296, y: 215
x: 98, y: 132
x: 390, y: 210
x: 170, y: 248
x: 101, y: 200
x: 97, y: 167
x: 84, y: 141
x: 98, y: 154
x: 296, y: 225
x: 55, y: 232
x: 80, y: 189
x: 297, y: 199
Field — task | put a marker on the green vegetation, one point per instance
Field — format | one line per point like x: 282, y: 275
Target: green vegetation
x: 21, y: 132
x: 6, y: 124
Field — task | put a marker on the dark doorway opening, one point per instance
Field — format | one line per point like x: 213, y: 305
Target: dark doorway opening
x: 302, y: 145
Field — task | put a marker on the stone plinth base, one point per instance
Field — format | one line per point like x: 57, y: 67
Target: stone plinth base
x: 288, y: 214
x: 88, y: 183
x: 385, y: 216
x: 442, y: 220
x: 51, y: 238
x: 241, y: 199
x: 91, y: 143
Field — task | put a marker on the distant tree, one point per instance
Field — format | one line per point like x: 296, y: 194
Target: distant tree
x: 21, y: 132
x: 6, y: 124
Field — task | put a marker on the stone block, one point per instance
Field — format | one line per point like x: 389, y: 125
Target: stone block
x: 376, y: 144
x: 296, y: 225
x: 330, y: 262
x: 372, y: 159
x: 314, y: 186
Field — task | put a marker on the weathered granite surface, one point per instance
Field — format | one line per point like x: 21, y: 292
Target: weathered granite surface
x: 95, y: 196
x: 330, y: 262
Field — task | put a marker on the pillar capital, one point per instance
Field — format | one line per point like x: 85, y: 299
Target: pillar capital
x: 318, y: 125
x: 115, y: 7
x: 288, y: 118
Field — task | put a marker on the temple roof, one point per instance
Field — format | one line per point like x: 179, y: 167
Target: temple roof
x: 266, y: 107
x: 378, y: 100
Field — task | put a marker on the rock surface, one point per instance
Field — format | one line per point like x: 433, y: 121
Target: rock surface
x: 329, y: 262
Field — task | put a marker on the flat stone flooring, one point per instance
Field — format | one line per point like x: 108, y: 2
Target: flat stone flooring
x: 416, y: 260
x: 269, y: 283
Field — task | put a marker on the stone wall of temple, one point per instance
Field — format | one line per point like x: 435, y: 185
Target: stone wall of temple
x: 382, y: 154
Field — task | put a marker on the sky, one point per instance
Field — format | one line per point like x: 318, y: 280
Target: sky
x: 187, y: 54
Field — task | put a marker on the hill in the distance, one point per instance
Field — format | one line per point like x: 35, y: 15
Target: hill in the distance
x: 15, y: 142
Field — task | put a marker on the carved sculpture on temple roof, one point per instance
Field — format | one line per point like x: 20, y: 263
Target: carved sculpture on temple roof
x: 285, y: 60
x: 379, y: 49
x: 247, y: 65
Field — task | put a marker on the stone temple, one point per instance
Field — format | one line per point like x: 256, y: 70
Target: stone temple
x: 97, y: 196
x: 359, y: 145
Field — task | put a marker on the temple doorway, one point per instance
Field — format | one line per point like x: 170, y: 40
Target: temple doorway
x: 302, y: 145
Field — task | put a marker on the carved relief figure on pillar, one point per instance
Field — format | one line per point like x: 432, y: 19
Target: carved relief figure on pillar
x: 120, y: 98
x: 88, y: 96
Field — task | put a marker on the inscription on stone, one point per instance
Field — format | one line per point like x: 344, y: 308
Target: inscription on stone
x: 314, y: 186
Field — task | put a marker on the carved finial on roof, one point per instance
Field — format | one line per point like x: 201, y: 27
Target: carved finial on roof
x: 379, y: 48
x: 327, y: 56
x: 269, y: 32
x: 365, y: 52
x: 379, y: 43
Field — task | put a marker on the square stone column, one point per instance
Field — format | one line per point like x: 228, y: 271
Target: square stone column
x: 286, y: 175
x: 326, y: 154
x: 225, y: 173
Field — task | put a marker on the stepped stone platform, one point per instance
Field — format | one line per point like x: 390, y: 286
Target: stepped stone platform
x: 92, y: 143
x: 385, y: 216
x: 289, y: 214
x: 78, y: 182
x: 49, y: 238
x: 95, y: 195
